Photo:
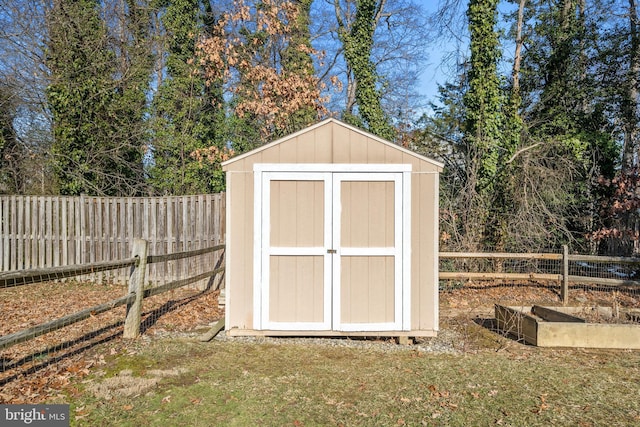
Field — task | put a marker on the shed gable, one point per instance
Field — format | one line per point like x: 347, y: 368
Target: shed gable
x: 330, y: 141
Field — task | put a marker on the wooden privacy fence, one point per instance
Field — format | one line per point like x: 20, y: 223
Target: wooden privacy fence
x: 43, y: 232
x: 563, y: 268
x: 137, y: 290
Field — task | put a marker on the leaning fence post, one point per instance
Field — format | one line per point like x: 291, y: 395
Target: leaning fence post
x: 136, y: 285
x: 565, y: 275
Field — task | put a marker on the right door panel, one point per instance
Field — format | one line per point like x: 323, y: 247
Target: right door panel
x: 367, y: 233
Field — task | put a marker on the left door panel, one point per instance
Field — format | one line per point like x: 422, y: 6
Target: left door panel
x: 295, y: 263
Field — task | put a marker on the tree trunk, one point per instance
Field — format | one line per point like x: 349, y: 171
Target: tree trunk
x: 630, y: 107
x: 518, y: 54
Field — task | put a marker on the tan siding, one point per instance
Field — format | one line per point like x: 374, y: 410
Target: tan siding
x: 391, y: 155
x: 367, y: 293
x: 297, y: 209
x: 367, y: 214
x: 323, y: 145
x: 428, y: 258
x: 240, y: 258
x: 296, y: 289
x: 358, y: 148
x: 340, y: 145
x: 289, y: 151
x: 375, y: 152
x: 335, y: 143
x: 424, y: 231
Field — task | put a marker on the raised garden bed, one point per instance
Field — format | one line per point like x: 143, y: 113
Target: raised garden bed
x: 589, y: 327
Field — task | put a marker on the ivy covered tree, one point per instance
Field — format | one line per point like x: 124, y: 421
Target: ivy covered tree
x: 484, y: 120
x: 297, y: 59
x: 187, y: 112
x: 11, y: 153
x: 93, y: 107
x: 356, y: 37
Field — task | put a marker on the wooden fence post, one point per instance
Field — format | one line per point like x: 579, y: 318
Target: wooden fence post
x: 136, y: 285
x: 565, y: 275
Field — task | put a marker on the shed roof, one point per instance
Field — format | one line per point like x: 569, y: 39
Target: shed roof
x: 331, y: 122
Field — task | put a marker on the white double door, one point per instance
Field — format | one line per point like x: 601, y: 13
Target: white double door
x: 333, y: 251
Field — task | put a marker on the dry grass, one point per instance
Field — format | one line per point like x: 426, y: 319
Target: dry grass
x: 492, y: 381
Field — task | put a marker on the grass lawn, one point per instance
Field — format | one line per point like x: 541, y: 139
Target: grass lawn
x: 178, y: 382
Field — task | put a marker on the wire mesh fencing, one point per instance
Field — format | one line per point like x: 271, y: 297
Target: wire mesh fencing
x: 52, y: 319
x: 482, y: 279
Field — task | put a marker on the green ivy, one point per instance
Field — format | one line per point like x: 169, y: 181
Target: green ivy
x: 358, y: 43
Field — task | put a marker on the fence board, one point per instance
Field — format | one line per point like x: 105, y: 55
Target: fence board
x: 42, y: 232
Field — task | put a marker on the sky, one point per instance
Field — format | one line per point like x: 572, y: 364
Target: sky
x: 439, y: 67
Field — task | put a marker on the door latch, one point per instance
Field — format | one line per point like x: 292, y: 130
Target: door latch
x: 332, y: 251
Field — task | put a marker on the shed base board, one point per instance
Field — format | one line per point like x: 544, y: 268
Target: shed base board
x: 235, y: 332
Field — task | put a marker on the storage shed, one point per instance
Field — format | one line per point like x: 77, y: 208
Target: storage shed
x: 332, y: 231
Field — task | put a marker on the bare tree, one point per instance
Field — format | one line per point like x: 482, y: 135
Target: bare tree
x: 398, y: 53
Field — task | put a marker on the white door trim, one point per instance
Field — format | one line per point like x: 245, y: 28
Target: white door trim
x: 263, y: 250
x: 402, y: 271
x: 263, y: 174
x: 331, y: 167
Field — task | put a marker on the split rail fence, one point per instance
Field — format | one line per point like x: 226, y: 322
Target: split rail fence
x: 51, y: 231
x: 210, y: 272
x: 569, y: 270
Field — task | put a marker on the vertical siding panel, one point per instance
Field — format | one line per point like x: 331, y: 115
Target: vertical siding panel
x: 91, y: 230
x: 28, y: 239
x: 64, y: 230
x: 3, y: 234
x: 41, y: 232
x: 55, y: 236
x: 13, y: 235
x: 35, y: 230
x: 20, y: 234
x: 161, y: 229
x: 171, y: 271
x: 186, y: 233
